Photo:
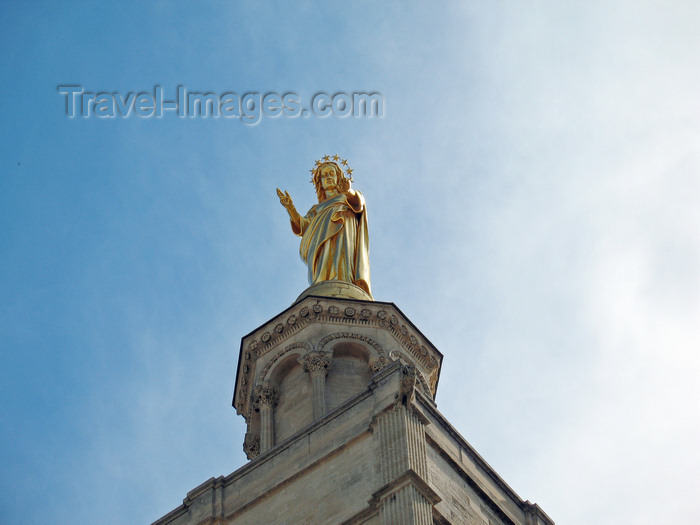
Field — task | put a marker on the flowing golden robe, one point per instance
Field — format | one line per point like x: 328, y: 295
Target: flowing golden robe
x: 335, y: 240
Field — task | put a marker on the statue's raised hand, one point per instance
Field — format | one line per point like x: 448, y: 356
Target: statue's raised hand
x: 343, y: 185
x: 285, y: 199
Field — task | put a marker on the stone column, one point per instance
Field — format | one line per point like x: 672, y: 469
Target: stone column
x: 317, y: 365
x: 266, y: 397
x: 405, y: 497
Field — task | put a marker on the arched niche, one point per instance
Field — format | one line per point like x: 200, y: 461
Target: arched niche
x: 349, y: 373
x: 294, y: 408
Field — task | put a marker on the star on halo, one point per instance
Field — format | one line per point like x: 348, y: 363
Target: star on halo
x: 326, y: 157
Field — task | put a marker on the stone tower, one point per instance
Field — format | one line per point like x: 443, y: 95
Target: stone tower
x: 338, y: 394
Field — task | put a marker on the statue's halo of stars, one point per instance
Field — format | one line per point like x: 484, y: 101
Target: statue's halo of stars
x: 341, y: 163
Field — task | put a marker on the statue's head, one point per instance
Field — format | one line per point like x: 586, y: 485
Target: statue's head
x: 325, y: 175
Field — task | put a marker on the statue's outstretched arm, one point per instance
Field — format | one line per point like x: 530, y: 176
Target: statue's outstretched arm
x: 294, y: 216
x: 353, y: 197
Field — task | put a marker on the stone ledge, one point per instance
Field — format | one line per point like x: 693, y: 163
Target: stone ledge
x: 410, y: 477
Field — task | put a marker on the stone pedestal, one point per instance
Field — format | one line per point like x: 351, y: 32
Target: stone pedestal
x: 338, y: 394
x: 337, y: 289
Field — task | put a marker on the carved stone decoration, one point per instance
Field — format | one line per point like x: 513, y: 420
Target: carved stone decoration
x: 350, y: 335
x: 396, y: 355
x: 408, y: 383
x: 433, y: 381
x: 268, y: 341
x: 265, y: 395
x: 317, y: 363
x: 264, y: 375
x: 251, y: 445
x: 378, y: 365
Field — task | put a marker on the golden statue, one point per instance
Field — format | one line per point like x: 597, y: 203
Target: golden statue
x: 334, y: 234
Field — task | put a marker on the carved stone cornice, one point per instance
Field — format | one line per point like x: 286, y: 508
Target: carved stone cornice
x: 333, y: 310
x: 316, y: 363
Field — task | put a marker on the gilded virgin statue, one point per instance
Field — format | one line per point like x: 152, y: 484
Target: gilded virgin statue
x: 334, y: 234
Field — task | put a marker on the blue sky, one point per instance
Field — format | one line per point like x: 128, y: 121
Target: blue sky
x: 532, y: 189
